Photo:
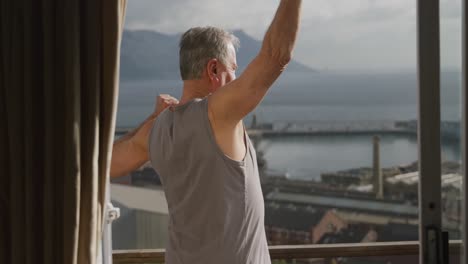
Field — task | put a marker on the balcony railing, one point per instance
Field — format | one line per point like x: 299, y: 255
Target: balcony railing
x: 409, y: 248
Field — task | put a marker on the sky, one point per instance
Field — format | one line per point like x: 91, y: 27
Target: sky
x: 369, y: 35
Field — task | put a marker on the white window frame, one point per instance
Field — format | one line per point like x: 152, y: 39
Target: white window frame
x: 111, y: 213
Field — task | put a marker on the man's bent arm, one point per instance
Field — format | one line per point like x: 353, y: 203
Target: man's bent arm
x: 234, y: 101
x: 131, y: 151
x: 127, y: 153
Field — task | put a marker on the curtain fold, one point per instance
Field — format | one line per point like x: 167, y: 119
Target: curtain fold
x: 59, y: 68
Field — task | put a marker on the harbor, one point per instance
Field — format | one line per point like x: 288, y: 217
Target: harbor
x: 369, y: 203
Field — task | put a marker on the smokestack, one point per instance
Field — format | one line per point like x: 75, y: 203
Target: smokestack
x: 253, y: 125
x: 377, y: 175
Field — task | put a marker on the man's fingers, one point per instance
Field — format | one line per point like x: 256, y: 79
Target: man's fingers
x: 165, y: 97
x: 173, y: 100
x: 164, y: 101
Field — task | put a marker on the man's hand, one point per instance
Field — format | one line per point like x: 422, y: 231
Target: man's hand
x: 164, y: 101
x: 140, y: 139
x: 131, y: 151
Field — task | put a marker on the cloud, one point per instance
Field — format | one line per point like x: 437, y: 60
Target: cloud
x: 335, y: 34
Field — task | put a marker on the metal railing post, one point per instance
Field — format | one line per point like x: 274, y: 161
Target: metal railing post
x: 464, y: 122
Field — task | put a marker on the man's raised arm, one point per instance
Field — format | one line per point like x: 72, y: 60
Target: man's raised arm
x: 234, y: 101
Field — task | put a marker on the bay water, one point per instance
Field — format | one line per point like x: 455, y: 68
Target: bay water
x: 329, y: 97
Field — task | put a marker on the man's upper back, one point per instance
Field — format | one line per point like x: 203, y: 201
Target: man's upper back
x: 215, y: 203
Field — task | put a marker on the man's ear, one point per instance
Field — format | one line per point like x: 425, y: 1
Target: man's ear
x: 212, y: 68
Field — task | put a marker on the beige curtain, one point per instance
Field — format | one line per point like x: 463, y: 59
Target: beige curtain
x: 59, y: 65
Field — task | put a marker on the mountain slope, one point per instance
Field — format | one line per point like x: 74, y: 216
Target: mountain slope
x: 152, y: 55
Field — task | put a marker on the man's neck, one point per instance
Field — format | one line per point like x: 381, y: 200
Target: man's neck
x: 194, y: 89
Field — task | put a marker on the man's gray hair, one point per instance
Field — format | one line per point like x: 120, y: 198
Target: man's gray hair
x: 199, y: 45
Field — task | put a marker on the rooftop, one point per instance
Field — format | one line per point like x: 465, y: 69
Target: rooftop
x: 150, y: 200
x: 448, y: 180
x: 344, y: 203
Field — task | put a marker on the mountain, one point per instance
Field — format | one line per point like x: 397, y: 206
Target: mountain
x: 149, y: 55
x: 152, y: 55
x: 249, y: 48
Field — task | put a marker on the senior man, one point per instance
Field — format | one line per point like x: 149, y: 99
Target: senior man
x: 201, y: 150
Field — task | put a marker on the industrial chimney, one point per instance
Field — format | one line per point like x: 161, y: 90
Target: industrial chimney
x: 377, y: 172
x: 253, y: 125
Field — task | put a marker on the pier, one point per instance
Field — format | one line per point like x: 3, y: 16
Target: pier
x: 300, y: 128
x: 449, y: 129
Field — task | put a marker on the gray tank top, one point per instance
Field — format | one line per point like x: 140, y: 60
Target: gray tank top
x: 216, y: 207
